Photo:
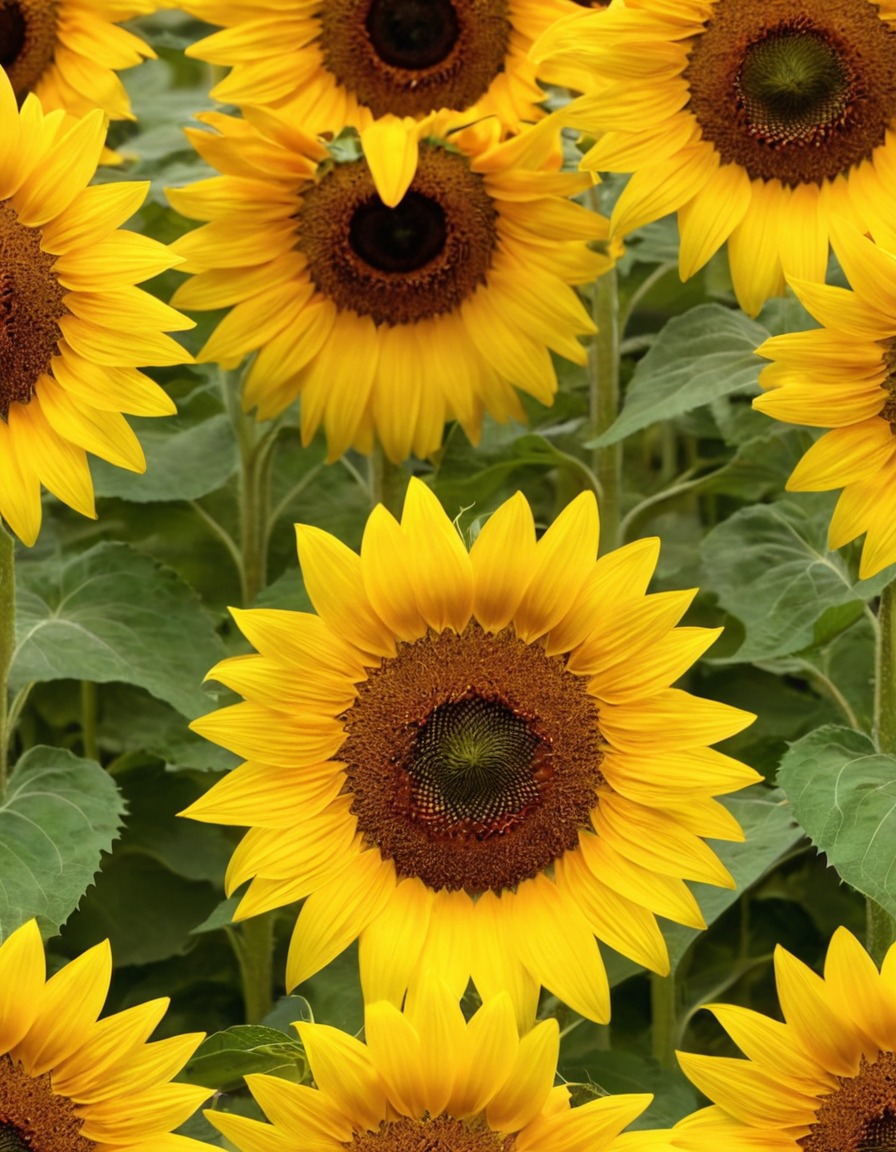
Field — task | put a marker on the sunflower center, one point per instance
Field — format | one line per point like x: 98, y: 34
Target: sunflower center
x: 31, y: 305
x: 435, y: 1134
x: 794, y: 95
x: 27, y: 41
x: 398, y: 265
x: 412, y: 33
x: 473, y: 759
x: 410, y: 57
x: 860, y: 1115
x: 33, y: 1118
x: 888, y: 412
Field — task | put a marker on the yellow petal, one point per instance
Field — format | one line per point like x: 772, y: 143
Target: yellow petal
x: 391, y: 149
x: 501, y: 558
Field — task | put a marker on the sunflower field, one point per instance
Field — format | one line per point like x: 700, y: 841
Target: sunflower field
x: 448, y: 575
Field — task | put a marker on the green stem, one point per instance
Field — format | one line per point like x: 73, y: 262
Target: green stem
x: 89, y: 709
x: 253, y: 946
x: 603, y: 394
x: 664, y: 1019
x: 881, y: 928
x: 387, y: 482
x: 7, y: 644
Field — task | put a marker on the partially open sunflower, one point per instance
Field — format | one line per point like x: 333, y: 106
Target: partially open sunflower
x: 412, y: 275
x: 754, y: 120
x: 474, y: 761
x: 70, y: 1082
x: 350, y: 61
x: 73, y: 326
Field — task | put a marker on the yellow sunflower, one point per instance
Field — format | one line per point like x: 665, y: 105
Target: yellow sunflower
x: 68, y: 52
x: 410, y: 275
x: 350, y: 61
x: 427, y: 1079
x: 754, y: 120
x: 823, y: 1081
x: 474, y: 761
x: 72, y: 1083
x: 72, y: 325
x: 843, y: 377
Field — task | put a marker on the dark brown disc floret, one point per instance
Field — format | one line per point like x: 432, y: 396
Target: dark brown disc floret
x: 33, y: 1118
x: 860, y: 1114
x: 419, y: 259
x: 31, y: 305
x: 27, y: 41
x: 432, y: 1134
x: 794, y: 92
x: 473, y: 759
x: 888, y: 412
x: 411, y: 57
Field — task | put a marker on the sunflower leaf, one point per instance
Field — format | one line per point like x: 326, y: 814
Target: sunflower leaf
x: 113, y: 614
x: 59, y: 815
x: 226, y: 1057
x: 843, y: 792
x: 704, y: 354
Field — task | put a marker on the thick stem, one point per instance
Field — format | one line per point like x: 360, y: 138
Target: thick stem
x: 89, y: 713
x: 387, y: 482
x: 7, y: 644
x: 881, y: 928
x: 253, y: 946
x: 664, y: 1018
x: 603, y: 379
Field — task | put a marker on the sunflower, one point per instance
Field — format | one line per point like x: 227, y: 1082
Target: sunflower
x: 350, y: 61
x: 72, y: 325
x: 823, y: 1081
x: 843, y: 377
x: 401, y: 278
x: 67, y: 52
x: 473, y: 761
x: 427, y: 1079
x: 72, y: 1083
x: 755, y: 120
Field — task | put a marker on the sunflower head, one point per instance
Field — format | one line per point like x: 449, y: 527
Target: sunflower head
x: 490, y: 765
x: 73, y: 326
x: 755, y: 120
x: 426, y: 1078
x: 387, y: 277
x: 356, y: 60
x: 70, y: 1082
x: 824, y: 1080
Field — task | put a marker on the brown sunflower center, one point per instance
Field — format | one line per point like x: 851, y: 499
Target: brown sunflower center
x: 33, y: 1118
x: 436, y: 1134
x: 859, y: 1115
x: 794, y: 95
x: 31, y: 305
x: 410, y: 57
x: 27, y: 41
x: 473, y: 759
x: 399, y: 265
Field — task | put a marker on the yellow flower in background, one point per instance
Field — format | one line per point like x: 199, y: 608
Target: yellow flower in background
x: 351, y: 61
x: 427, y: 1079
x: 843, y: 377
x: 755, y: 120
x: 474, y: 761
x: 68, y: 52
x: 419, y: 278
x: 73, y: 327
x: 72, y: 1083
x: 823, y: 1081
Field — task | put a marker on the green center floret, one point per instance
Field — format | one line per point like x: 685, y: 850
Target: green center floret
x: 793, y: 81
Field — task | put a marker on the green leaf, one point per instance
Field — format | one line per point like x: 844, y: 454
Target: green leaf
x: 707, y: 353
x: 60, y: 814
x: 770, y: 567
x: 114, y: 614
x: 769, y: 832
x: 843, y: 792
x: 225, y: 1058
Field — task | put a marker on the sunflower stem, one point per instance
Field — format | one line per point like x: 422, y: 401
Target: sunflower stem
x: 880, y: 925
x: 89, y: 710
x: 253, y: 946
x: 7, y: 644
x: 386, y: 481
x: 664, y: 1018
x: 603, y: 395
